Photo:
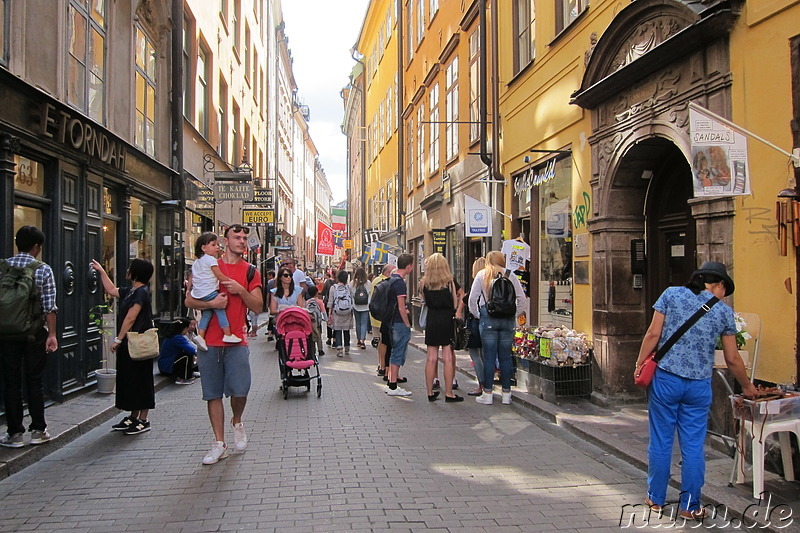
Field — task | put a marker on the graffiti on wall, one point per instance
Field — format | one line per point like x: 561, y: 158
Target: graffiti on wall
x: 581, y: 213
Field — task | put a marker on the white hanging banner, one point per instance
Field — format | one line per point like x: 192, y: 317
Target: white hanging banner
x: 719, y: 157
x: 479, y: 218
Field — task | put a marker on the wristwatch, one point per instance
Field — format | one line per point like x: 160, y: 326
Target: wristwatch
x: 117, y: 341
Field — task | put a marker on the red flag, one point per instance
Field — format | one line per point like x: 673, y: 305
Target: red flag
x: 325, y: 245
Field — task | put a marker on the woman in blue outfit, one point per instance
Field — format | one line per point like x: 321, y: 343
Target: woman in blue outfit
x: 679, y: 397
x: 177, y: 354
x: 285, y: 293
x: 497, y: 334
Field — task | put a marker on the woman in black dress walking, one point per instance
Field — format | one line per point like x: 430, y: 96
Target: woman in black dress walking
x: 135, y: 388
x: 440, y: 292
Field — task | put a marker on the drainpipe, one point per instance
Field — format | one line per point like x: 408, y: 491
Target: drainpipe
x: 482, y: 100
x: 496, y: 175
x: 362, y: 131
x: 401, y: 148
x: 178, y: 184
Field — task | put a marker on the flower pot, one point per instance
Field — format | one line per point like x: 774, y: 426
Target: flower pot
x: 719, y: 358
x: 106, y: 380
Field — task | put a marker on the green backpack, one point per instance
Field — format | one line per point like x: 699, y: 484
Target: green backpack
x: 20, y: 307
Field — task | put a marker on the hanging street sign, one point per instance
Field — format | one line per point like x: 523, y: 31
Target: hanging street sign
x: 258, y: 217
x: 230, y: 191
x: 263, y: 196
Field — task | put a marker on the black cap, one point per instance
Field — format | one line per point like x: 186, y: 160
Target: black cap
x: 717, y: 269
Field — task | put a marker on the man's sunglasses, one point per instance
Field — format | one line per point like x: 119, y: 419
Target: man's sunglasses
x: 236, y: 228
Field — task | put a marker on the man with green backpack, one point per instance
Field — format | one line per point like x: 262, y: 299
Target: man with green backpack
x: 27, y: 304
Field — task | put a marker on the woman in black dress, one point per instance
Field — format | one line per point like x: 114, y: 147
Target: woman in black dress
x: 135, y: 388
x: 440, y: 292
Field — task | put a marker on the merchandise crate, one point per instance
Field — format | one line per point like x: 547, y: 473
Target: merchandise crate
x: 557, y: 382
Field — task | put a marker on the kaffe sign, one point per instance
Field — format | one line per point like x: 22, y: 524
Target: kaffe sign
x: 228, y: 191
x: 325, y: 244
x: 719, y: 157
x: 439, y: 240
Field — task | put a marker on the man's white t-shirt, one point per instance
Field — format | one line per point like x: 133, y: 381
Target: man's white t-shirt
x: 204, y: 282
x: 299, y: 277
x: 517, y: 253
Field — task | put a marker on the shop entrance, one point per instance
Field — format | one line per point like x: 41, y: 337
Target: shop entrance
x: 670, y: 227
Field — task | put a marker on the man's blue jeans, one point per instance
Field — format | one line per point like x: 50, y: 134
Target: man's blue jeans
x: 678, y: 403
x: 497, y: 337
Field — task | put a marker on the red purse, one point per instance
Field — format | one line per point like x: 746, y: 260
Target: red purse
x: 648, y: 369
x: 646, y: 372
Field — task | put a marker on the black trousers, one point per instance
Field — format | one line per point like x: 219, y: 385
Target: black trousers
x: 22, y: 365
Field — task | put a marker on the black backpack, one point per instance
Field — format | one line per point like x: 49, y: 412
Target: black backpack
x: 502, y: 302
x: 20, y: 307
x: 379, y: 306
x: 361, y: 297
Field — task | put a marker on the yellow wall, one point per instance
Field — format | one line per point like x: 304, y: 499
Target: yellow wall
x: 762, y: 103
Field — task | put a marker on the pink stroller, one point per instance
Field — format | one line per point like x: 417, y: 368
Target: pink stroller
x: 296, y: 353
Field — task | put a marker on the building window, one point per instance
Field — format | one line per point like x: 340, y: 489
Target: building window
x: 410, y: 159
x: 474, y: 85
x: 524, y: 33
x: 420, y: 20
x: 188, y: 33
x: 409, y: 32
x: 235, y: 154
x: 86, y: 36
x: 201, y: 96
x: 223, y: 11
x: 256, y: 79
x: 451, y: 109
x: 144, y: 135
x: 222, y: 150
x: 4, y: 30
x: 567, y: 11
x: 246, y: 52
x: 421, y: 143
x: 237, y: 25
x: 433, y: 131
x: 433, y: 7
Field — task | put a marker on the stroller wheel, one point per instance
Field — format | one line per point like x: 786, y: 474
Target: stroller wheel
x: 319, y: 388
x: 308, y: 386
x: 285, y: 392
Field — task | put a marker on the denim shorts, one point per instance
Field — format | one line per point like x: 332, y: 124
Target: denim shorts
x: 224, y: 371
x: 401, y: 334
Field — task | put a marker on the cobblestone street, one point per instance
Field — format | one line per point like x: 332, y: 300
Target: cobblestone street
x: 353, y: 460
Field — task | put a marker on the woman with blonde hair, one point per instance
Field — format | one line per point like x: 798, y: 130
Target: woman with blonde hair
x: 497, y: 332
x: 441, y: 297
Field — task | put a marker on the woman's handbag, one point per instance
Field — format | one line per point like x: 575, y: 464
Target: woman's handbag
x: 423, y: 316
x: 460, y: 334
x: 474, y: 327
x: 648, y: 369
x: 143, y: 346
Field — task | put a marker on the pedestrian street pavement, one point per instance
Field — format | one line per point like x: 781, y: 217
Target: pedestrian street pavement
x: 354, y: 460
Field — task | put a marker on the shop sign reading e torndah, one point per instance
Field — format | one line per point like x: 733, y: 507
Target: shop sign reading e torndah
x: 81, y: 136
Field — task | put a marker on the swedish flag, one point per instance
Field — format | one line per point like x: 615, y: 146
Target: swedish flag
x: 381, y: 252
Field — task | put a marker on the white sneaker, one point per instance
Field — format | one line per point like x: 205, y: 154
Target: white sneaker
x: 506, y: 398
x: 201, y: 343
x: 239, y: 437
x: 39, y: 437
x: 398, y: 392
x: 219, y: 450
x: 485, y: 398
x: 233, y: 339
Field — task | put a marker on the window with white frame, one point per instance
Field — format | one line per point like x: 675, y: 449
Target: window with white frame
x: 410, y: 159
x: 420, y: 20
x: 86, y: 38
x: 474, y: 85
x: 391, y: 204
x: 255, y: 76
x: 433, y: 7
x: 567, y: 11
x: 421, y: 142
x: 237, y: 24
x: 201, y: 90
x: 145, y: 83
x: 451, y: 109
x: 524, y: 33
x: 410, y: 32
x: 381, y: 115
x: 223, y: 119
x: 188, y: 31
x: 246, y: 52
x: 433, y: 131
x: 237, y: 145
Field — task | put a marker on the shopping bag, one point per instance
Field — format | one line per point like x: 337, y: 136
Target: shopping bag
x: 142, y: 346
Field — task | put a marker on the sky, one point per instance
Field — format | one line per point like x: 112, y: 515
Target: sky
x: 321, y: 33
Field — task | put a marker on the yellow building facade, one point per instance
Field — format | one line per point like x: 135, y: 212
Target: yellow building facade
x: 594, y: 102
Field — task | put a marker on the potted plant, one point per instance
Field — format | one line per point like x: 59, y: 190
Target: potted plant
x: 742, y: 336
x: 103, y: 317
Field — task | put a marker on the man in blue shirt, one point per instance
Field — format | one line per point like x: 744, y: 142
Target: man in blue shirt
x: 401, y: 323
x: 21, y: 360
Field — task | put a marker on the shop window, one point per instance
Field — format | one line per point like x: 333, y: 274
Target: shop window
x: 555, y: 244
x: 86, y: 36
x: 30, y: 176
x: 27, y: 216
x: 109, y: 249
x: 145, y: 73
x: 567, y: 11
x: 142, y: 230
x: 110, y: 198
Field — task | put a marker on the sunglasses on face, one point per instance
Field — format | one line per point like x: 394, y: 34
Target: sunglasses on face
x: 286, y: 275
x: 236, y: 228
